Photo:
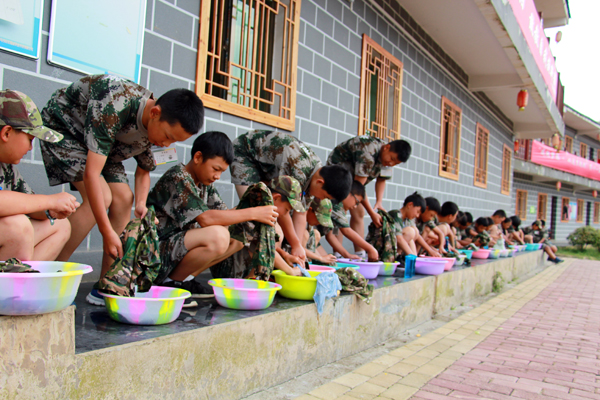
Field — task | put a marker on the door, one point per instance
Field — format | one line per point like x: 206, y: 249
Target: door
x: 553, y: 210
x: 588, y: 217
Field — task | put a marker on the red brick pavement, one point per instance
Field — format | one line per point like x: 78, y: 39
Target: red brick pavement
x: 550, y: 349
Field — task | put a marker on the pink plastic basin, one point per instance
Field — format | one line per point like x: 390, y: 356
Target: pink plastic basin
x: 429, y: 266
x: 369, y: 270
x: 481, y: 253
x: 449, y: 261
x: 321, y: 268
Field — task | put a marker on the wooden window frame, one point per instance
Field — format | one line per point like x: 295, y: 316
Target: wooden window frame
x: 583, y: 150
x: 542, y: 206
x: 282, y: 92
x: 568, y: 144
x: 455, y: 158
x: 521, y: 204
x: 562, y: 204
x: 389, y: 79
x: 482, y: 146
x: 580, y: 211
x: 596, y: 212
x: 506, y: 170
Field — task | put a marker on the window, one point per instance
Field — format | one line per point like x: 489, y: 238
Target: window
x: 247, y: 57
x: 541, y: 206
x: 583, y: 150
x: 596, y: 213
x: 450, y: 140
x: 506, y: 170
x: 579, y: 210
x: 568, y: 144
x: 565, y: 209
x: 380, y: 92
x: 521, y: 208
x: 481, y: 156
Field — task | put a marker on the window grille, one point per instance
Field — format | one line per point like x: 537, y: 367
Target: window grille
x: 569, y: 144
x: 247, y: 58
x: 580, y: 205
x: 380, y: 92
x: 583, y: 150
x: 450, y: 140
x: 541, y: 206
x: 565, y: 209
x: 596, y: 212
x: 522, y: 204
x: 481, y: 156
x: 506, y: 170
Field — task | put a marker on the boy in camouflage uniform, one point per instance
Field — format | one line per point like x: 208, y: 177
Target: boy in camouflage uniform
x: 34, y: 227
x: 482, y: 237
x: 319, y: 214
x: 538, y: 234
x: 341, y: 224
x: 369, y: 158
x: 105, y: 120
x: 263, y: 155
x: 427, y: 224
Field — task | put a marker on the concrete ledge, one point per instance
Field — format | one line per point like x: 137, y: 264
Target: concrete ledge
x: 233, y: 359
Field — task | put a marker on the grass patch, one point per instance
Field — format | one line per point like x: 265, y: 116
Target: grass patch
x: 588, y: 253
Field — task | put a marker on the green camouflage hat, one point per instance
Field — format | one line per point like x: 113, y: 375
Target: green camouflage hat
x: 20, y: 112
x: 322, y: 209
x: 290, y: 188
x: 537, y: 222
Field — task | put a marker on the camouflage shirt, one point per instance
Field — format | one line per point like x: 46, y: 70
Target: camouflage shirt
x: 431, y: 224
x: 178, y: 201
x: 339, y: 219
x: 11, y: 179
x: 539, y: 234
x: 104, y: 114
x: 264, y: 155
x: 399, y: 222
x: 361, y: 156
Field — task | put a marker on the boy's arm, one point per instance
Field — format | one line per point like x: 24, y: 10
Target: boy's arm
x: 403, y: 245
x: 441, y: 237
x: 360, y: 242
x: 35, y: 205
x: 142, y: 187
x: 376, y: 218
x: 263, y: 214
x: 379, y: 191
x: 280, y: 264
x: 430, y: 250
x: 287, y: 226
x: 93, y: 187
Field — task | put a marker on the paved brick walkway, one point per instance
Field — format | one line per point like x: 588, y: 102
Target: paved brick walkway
x: 539, y: 340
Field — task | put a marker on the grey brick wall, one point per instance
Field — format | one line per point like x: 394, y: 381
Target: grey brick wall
x: 328, y: 95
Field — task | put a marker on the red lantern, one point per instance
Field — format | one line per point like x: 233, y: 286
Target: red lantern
x: 522, y: 99
x: 516, y: 146
x: 558, y: 186
x: 595, y: 193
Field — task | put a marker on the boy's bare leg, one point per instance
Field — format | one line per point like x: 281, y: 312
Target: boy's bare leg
x: 17, y: 239
x: 528, y: 239
x: 206, y: 246
x: 119, y: 215
x: 49, y: 239
x: 357, y: 223
x: 240, y: 189
x: 82, y: 221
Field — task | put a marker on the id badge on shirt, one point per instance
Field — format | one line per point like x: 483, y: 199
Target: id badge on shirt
x: 164, y: 156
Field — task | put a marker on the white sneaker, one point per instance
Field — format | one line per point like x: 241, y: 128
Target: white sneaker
x: 95, y: 298
x: 337, y: 255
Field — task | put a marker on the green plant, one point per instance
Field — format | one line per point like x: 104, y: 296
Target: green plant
x: 586, y: 235
x: 497, y: 283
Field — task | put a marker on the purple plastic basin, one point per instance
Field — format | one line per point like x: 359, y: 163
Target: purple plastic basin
x: 481, y: 253
x: 369, y: 270
x: 388, y: 268
x: 347, y: 260
x: 429, y: 266
x: 449, y: 261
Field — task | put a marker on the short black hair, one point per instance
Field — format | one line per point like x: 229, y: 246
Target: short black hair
x: 449, y: 208
x: 490, y: 221
x: 183, y: 106
x: 417, y: 201
x: 469, y: 217
x: 499, y: 213
x: 358, y: 189
x: 543, y: 223
x: 402, y: 149
x: 461, y: 219
x: 338, y: 181
x: 507, y: 220
x: 433, y: 204
x: 516, y: 221
x: 481, y: 221
x: 213, y: 144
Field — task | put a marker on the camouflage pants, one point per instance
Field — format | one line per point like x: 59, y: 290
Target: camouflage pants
x: 66, y: 163
x: 172, y: 252
x: 257, y: 259
x: 384, y: 238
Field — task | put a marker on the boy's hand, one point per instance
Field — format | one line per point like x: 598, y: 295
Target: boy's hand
x: 328, y: 259
x: 378, y: 206
x: 112, y: 244
x: 434, y: 253
x: 377, y: 220
x: 290, y: 259
x: 372, y: 254
x: 296, y: 271
x: 63, y: 203
x: 266, y: 215
x: 300, y: 253
x: 353, y: 257
x: 140, y: 210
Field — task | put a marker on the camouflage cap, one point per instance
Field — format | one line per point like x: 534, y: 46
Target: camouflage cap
x: 290, y: 188
x: 322, y: 209
x: 20, y: 112
x: 537, y: 222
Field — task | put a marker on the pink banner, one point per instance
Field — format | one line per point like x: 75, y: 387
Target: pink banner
x: 563, y: 161
x: 531, y: 25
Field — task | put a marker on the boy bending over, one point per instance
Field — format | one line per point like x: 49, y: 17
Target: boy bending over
x: 33, y: 226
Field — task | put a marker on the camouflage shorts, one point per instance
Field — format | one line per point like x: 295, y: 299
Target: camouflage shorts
x: 172, y: 252
x: 236, y: 266
x: 67, y: 164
